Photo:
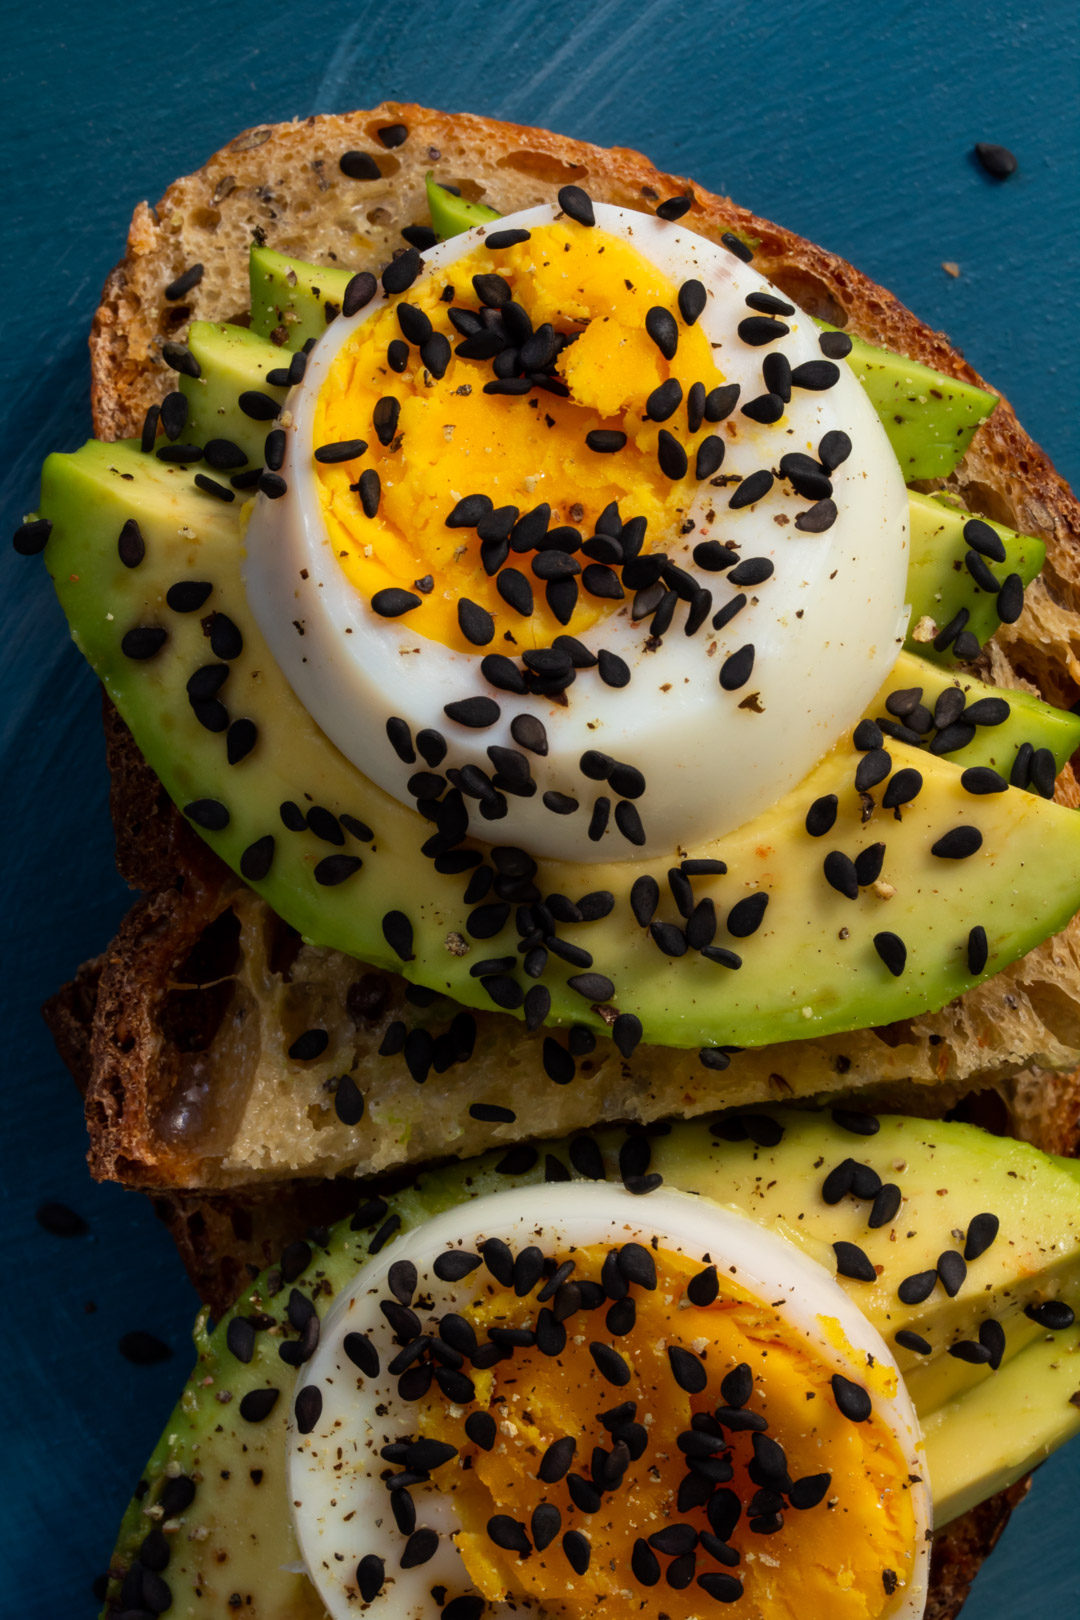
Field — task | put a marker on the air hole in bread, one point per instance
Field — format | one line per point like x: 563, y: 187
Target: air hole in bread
x: 541, y: 165
x: 901, y: 1033
x: 204, y: 219
x: 379, y: 216
x: 283, y: 947
x: 811, y: 294
x: 203, y: 987
x: 990, y: 503
x: 368, y: 998
x: 987, y: 1109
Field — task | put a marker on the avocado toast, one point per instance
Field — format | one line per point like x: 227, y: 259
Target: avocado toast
x: 837, y: 1060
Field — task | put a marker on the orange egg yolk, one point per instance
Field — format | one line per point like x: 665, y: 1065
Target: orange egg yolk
x: 841, y: 1559
x: 451, y: 439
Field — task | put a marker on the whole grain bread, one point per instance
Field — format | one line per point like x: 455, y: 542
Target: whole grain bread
x: 204, y: 991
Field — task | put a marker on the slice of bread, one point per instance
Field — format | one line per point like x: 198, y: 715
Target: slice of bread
x: 205, y: 991
x: 180, y: 1034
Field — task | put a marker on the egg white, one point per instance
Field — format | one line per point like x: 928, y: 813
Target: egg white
x: 340, y: 1504
x: 826, y: 627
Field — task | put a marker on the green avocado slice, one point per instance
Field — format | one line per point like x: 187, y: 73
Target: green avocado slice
x: 810, y: 967
x: 1030, y: 721
x: 291, y: 299
x: 941, y: 583
x: 451, y: 214
x: 235, y: 1534
x: 930, y: 418
x: 233, y: 365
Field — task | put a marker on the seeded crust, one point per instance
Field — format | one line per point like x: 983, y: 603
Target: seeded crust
x: 179, y: 1034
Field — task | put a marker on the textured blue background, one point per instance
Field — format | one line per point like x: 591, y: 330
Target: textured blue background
x: 854, y: 127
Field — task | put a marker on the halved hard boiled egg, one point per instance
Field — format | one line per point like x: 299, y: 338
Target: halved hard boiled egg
x: 594, y: 1403
x: 579, y: 520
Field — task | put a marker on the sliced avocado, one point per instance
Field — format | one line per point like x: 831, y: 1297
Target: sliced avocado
x: 941, y: 582
x: 451, y: 214
x: 810, y: 968
x: 233, y: 362
x: 235, y: 1534
x: 291, y: 299
x: 1029, y: 720
x: 1011, y: 1423
x: 930, y: 417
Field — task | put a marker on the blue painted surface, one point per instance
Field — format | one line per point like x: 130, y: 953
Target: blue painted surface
x: 857, y: 133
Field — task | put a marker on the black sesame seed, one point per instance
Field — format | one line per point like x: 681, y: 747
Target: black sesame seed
x: 661, y: 326
x: 257, y: 1404
x: 481, y: 1429
x: 892, y: 950
x: 1053, y: 1314
x: 689, y: 1373
x: 978, y: 1355
x: 837, y: 345
x: 919, y: 1286
x: 840, y: 874
x: 817, y: 518
x: 806, y: 476
x: 887, y: 1201
x: 30, y: 538
x: 577, y: 204
x: 751, y: 489
x: 737, y: 668
x: 984, y: 540
x: 997, y: 161
x: 311, y: 1044
x: 909, y: 1340
x: 952, y: 1269
x: 904, y: 786
x: 605, y: 441
x: 370, y: 491
x: 419, y: 1549
x: 756, y: 330
x: 475, y: 712
x: 308, y: 1408
x: 670, y: 939
x: 208, y: 813
x: 765, y: 408
x: 180, y: 359
x: 401, y: 272
x: 644, y: 1563
x: 393, y: 601
x: 477, y: 624
x: 334, y: 869
x: 664, y: 400
x: 981, y: 1232
x: 745, y: 916
x: 628, y: 822
x: 851, y: 1399
x: 851, y: 1261
x: 577, y: 1549
x: 692, y: 295
x: 957, y: 844
x: 348, y: 1101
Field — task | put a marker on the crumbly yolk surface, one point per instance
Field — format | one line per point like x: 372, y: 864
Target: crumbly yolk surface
x: 840, y: 1560
x: 453, y: 440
